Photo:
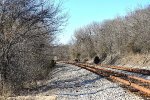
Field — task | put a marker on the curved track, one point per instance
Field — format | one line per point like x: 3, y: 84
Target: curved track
x: 141, y: 85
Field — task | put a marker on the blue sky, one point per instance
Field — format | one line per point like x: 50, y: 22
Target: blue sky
x: 83, y: 12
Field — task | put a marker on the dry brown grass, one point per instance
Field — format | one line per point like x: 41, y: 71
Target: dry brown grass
x: 135, y: 60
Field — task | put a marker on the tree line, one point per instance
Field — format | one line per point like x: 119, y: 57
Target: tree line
x: 27, y: 32
x: 122, y: 36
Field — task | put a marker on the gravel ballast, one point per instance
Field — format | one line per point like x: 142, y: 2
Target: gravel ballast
x: 69, y: 82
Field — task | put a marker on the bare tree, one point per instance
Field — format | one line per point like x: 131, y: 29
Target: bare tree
x: 27, y: 29
x: 119, y: 36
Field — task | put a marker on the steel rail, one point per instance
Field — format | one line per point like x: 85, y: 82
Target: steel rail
x: 126, y: 82
x: 120, y: 74
x: 116, y: 76
x: 135, y: 70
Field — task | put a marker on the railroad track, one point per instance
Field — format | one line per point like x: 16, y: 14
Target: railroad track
x: 136, y: 84
x: 135, y: 70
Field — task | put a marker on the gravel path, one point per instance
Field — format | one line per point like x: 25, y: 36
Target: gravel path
x: 73, y: 83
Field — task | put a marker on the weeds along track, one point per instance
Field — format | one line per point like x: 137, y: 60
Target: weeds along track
x: 134, y: 83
